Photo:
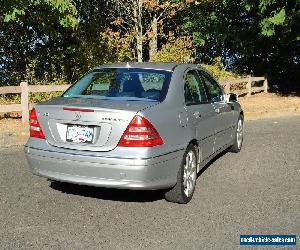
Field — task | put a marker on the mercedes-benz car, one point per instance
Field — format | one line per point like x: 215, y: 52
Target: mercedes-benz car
x: 143, y: 126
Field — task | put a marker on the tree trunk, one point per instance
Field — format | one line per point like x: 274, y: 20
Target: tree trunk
x: 153, y: 38
x: 139, y: 29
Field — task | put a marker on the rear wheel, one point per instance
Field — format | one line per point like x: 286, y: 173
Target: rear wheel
x: 184, y: 189
x: 238, y: 140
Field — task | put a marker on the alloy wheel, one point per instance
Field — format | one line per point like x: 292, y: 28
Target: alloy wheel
x: 239, y: 133
x: 189, y: 173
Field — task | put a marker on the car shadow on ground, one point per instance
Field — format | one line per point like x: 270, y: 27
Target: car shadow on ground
x: 119, y: 194
x: 202, y: 170
x: 108, y: 193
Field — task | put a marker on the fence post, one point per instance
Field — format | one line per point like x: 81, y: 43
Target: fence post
x: 25, y: 101
x: 266, y: 85
x: 249, y: 83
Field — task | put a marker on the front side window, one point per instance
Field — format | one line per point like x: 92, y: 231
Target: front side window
x: 122, y: 83
x: 215, y: 92
x: 194, y: 92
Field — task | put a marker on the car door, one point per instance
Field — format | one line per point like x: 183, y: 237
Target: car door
x: 224, y: 112
x: 200, y: 113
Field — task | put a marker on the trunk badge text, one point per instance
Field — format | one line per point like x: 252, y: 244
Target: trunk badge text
x: 110, y: 119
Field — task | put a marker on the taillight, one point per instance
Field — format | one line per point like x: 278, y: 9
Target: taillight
x: 35, y: 127
x: 140, y: 133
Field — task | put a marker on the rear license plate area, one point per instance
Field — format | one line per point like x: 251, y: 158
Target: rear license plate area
x: 79, y: 134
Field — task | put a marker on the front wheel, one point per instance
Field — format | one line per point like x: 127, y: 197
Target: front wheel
x: 238, y: 139
x: 184, y: 189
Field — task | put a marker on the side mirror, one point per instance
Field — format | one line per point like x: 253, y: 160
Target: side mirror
x: 232, y: 97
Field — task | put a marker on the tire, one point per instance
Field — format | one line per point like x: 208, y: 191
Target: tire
x: 184, y: 189
x: 238, y: 138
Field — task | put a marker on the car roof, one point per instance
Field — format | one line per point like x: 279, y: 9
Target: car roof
x: 145, y: 65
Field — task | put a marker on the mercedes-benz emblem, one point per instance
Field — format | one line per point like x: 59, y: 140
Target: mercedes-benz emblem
x: 77, y: 116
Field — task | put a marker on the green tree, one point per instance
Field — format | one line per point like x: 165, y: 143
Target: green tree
x: 250, y: 36
x: 62, y: 10
x: 28, y: 30
x: 50, y: 40
x: 144, y: 19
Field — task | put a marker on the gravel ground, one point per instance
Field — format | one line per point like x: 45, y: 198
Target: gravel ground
x: 269, y: 105
x: 253, y: 192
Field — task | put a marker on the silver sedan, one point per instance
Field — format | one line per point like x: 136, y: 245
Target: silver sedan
x: 135, y: 126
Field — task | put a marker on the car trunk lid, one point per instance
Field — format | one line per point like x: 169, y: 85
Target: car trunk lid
x: 96, y: 125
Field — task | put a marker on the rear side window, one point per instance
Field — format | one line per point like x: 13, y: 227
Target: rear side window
x: 122, y: 83
x: 214, y: 91
x: 194, y: 92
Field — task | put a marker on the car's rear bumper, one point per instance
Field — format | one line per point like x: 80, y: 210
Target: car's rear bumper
x: 150, y: 173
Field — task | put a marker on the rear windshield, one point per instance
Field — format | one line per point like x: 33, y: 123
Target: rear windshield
x: 122, y: 84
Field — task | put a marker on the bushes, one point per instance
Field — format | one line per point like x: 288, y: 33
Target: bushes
x: 176, y: 50
x: 218, y: 70
x: 181, y: 50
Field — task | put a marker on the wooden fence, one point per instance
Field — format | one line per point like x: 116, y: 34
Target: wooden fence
x: 24, y: 89
x: 249, y: 86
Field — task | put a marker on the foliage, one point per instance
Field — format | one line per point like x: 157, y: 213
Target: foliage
x: 118, y: 46
x: 64, y: 10
x: 259, y: 37
x: 56, y: 41
x: 176, y: 50
x: 181, y: 50
x: 218, y: 70
x: 56, y: 50
x: 145, y: 18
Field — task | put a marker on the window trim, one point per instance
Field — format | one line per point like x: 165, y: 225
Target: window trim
x: 202, y: 75
x: 200, y: 78
x: 163, y: 92
x: 204, y: 86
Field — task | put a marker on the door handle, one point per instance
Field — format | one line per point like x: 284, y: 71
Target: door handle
x: 217, y: 110
x: 197, y: 114
x: 183, y: 119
